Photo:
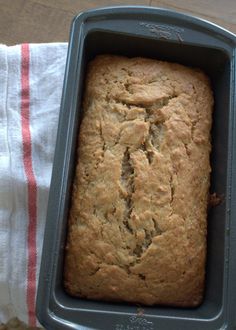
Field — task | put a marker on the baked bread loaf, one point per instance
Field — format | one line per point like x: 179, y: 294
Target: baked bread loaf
x: 138, y: 218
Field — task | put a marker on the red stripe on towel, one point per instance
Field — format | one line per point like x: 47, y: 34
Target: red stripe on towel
x: 31, y: 185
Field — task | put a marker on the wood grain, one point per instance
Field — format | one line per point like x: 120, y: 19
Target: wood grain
x: 49, y: 20
x: 219, y: 12
x: 44, y: 20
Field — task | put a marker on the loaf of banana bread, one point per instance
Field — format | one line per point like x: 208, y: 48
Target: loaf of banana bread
x: 138, y: 219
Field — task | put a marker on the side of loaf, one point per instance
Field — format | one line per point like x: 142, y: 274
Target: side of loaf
x: 138, y: 220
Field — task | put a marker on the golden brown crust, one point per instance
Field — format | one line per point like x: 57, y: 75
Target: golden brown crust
x: 137, y: 226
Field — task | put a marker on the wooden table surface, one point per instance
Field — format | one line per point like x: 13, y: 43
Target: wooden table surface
x: 49, y: 20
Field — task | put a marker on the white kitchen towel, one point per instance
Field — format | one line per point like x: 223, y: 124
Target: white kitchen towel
x: 31, y: 77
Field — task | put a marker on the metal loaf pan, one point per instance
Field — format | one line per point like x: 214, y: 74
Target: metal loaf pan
x: 170, y: 36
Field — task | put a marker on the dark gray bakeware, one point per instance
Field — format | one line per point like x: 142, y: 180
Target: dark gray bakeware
x: 165, y: 35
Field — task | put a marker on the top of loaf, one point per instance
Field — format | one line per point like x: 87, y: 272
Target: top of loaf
x: 138, y: 219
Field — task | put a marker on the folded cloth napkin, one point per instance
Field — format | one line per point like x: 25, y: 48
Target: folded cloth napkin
x: 31, y: 77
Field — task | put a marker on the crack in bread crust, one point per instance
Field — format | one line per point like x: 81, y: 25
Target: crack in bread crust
x: 128, y: 183
x: 137, y: 224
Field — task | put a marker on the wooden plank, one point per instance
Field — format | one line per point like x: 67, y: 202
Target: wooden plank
x: 49, y: 20
x: 219, y: 12
x: 44, y: 20
x: 73, y: 5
